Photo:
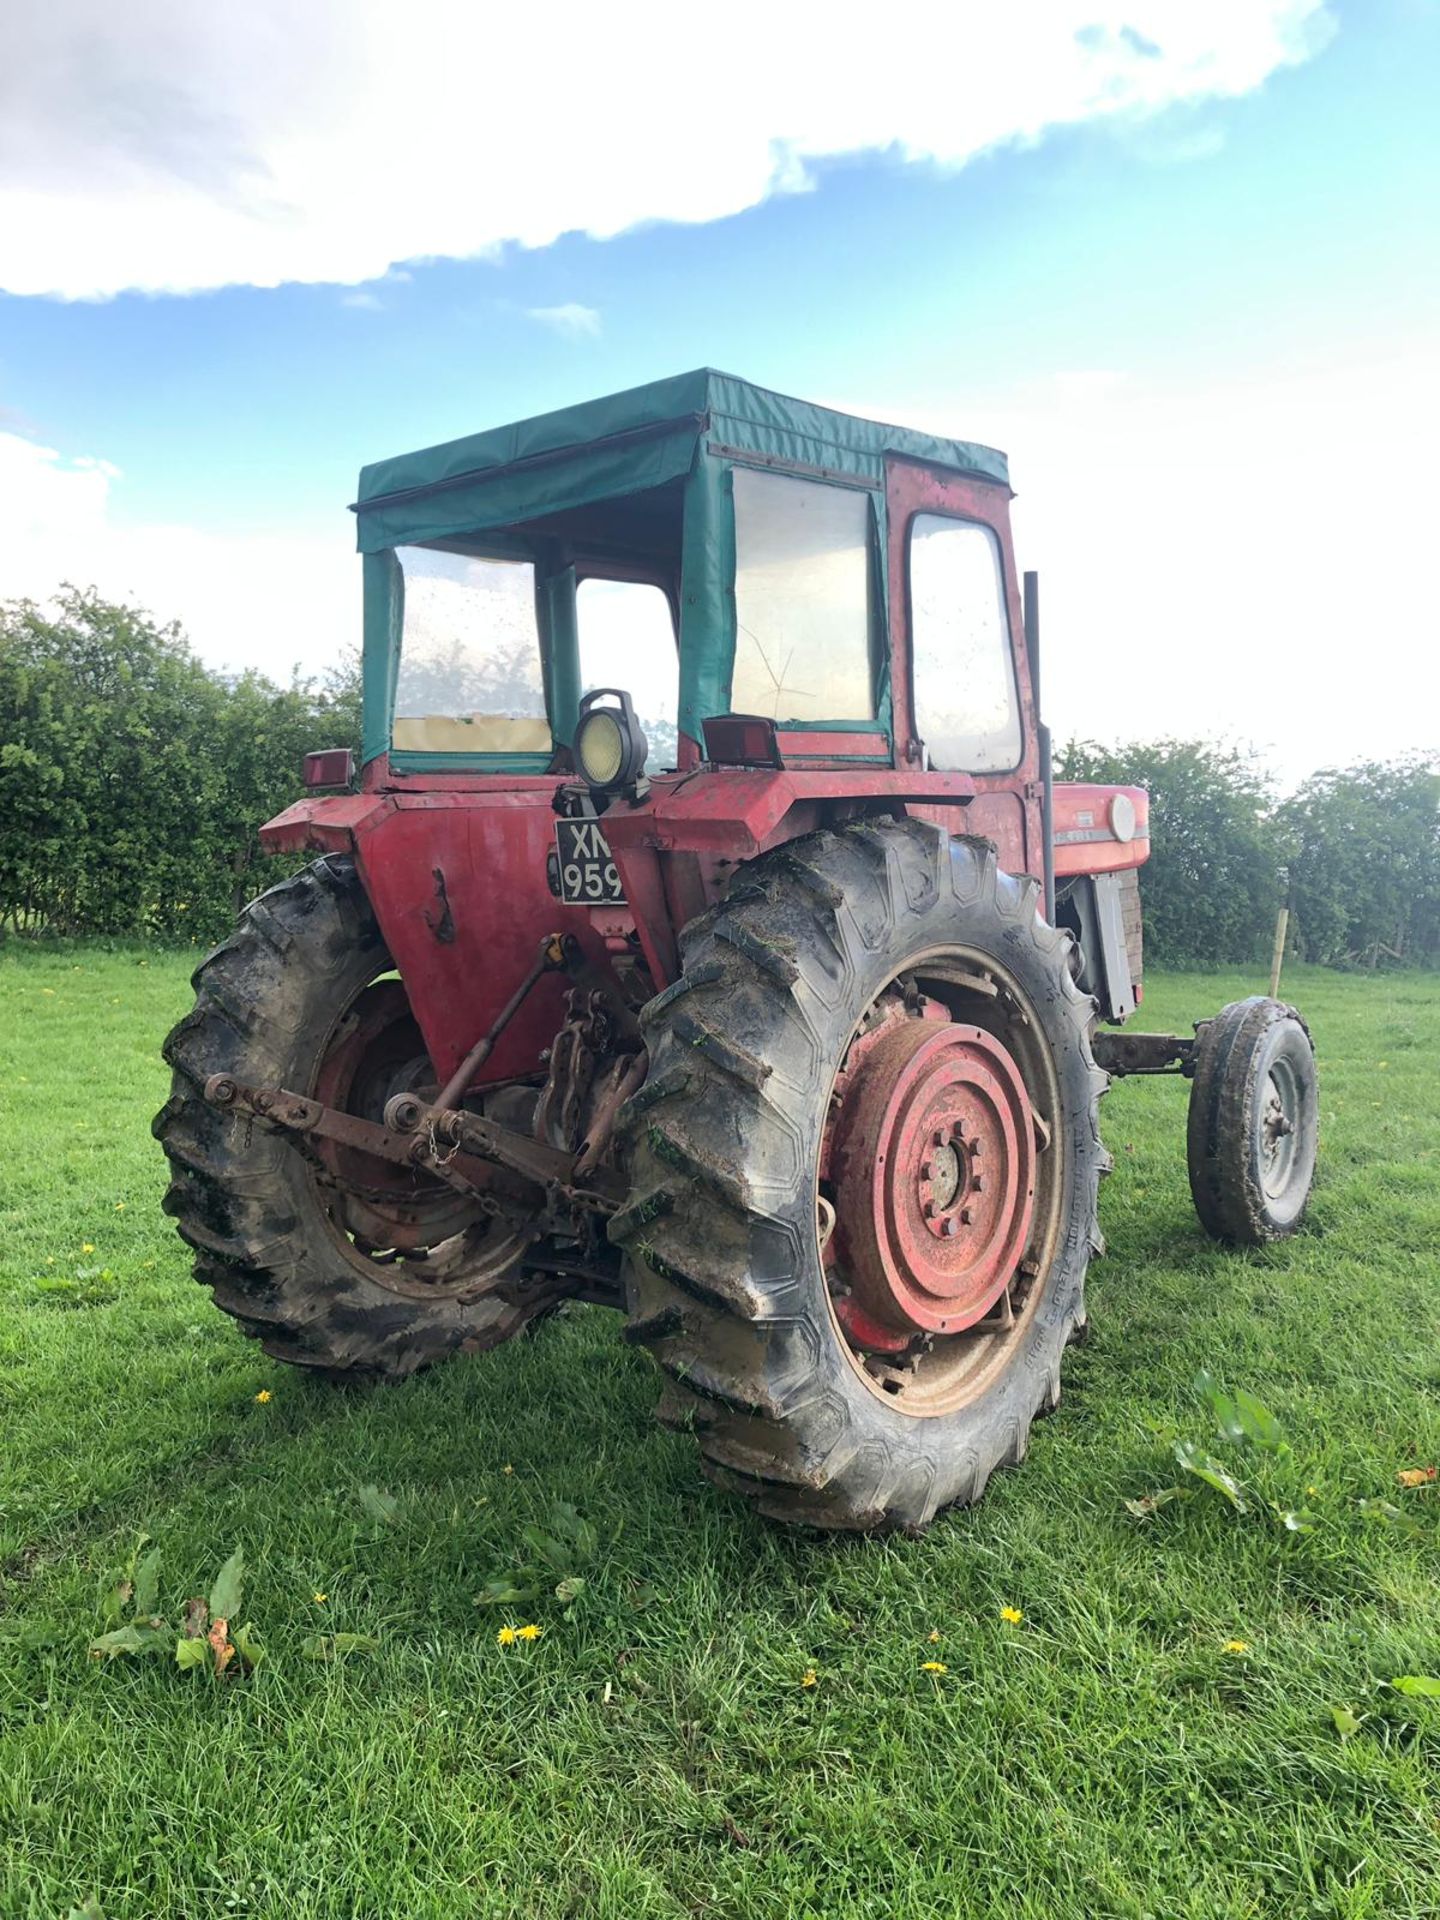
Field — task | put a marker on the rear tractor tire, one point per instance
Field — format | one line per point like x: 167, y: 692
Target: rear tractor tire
x: 1253, y: 1122
x: 332, y: 1259
x: 865, y: 1166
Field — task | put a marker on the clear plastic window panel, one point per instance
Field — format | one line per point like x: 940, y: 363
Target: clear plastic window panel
x: 802, y: 600
x: 470, y: 676
x: 966, y: 708
x: 627, y: 639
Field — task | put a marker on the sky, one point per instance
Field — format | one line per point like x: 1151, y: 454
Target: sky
x: 1180, y: 260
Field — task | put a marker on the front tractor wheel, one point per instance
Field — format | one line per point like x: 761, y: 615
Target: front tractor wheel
x: 331, y: 1258
x: 865, y: 1170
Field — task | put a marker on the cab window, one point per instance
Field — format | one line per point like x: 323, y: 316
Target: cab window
x: 967, y: 710
x: 803, y: 614
x: 470, y: 677
x: 627, y: 639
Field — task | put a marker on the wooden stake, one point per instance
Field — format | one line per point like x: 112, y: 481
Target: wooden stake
x: 1282, y: 922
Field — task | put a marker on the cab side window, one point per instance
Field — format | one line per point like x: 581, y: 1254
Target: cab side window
x: 967, y: 709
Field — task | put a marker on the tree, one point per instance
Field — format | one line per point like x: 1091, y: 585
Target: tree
x: 1365, y: 863
x: 1214, y: 877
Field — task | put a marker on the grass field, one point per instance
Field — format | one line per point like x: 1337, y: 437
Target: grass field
x: 657, y: 1753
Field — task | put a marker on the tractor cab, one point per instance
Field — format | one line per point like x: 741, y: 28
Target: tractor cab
x: 704, y: 936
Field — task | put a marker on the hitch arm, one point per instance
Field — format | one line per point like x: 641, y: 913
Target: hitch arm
x: 293, y: 1113
x: 1125, y: 1053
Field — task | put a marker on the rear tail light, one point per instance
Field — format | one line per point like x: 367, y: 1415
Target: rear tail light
x: 742, y: 740
x: 332, y: 767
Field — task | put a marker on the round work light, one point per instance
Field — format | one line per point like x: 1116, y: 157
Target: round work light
x: 609, y: 747
x: 1122, y: 817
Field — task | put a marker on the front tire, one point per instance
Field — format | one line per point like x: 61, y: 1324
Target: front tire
x: 1253, y: 1122
x: 821, y: 967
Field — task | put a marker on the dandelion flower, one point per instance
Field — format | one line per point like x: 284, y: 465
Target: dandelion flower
x: 1312, y: 1493
x: 934, y: 1666
x: 506, y: 1636
x: 319, y: 1598
x: 87, y: 1246
x: 809, y: 1678
x: 1236, y: 1646
x: 1012, y: 1616
x: 507, y: 1469
x: 933, y: 1636
x: 263, y: 1397
x: 531, y: 1632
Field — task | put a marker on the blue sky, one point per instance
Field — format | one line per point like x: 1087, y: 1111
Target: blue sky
x: 1255, y: 275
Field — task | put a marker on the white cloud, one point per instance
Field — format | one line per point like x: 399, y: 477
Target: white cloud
x: 169, y: 147
x: 362, y: 298
x: 267, y: 601
x: 571, y: 322
x: 1245, y: 560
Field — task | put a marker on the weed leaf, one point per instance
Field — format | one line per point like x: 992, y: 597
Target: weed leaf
x: 505, y: 1590
x: 1208, y: 1469
x: 1259, y: 1425
x: 1149, y: 1503
x: 1347, y: 1721
x: 147, y: 1585
x: 229, y: 1585
x: 1419, y: 1686
x: 335, y: 1646
x: 383, y: 1508
x: 1227, y: 1417
x: 191, y: 1653
x: 247, y: 1645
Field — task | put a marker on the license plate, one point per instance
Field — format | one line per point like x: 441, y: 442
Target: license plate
x: 588, y: 874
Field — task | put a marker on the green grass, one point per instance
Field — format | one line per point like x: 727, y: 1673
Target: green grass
x: 656, y: 1754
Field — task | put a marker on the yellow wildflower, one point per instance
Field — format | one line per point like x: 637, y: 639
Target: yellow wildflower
x: 87, y: 1246
x: 119, y: 1206
x: 933, y: 1636
x: 319, y: 1598
x: 1312, y: 1493
x: 507, y: 1469
x: 506, y: 1636
x: 934, y: 1666
x: 1012, y: 1616
x: 263, y: 1397
x: 1236, y: 1646
x: 809, y: 1678
x: 528, y: 1633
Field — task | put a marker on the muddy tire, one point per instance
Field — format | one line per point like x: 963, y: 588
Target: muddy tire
x: 269, y: 1003
x: 1253, y: 1122
x: 726, y: 1270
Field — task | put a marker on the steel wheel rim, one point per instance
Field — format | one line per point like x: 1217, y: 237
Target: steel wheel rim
x: 467, y: 1254
x: 1279, y: 1128
x: 952, y: 1370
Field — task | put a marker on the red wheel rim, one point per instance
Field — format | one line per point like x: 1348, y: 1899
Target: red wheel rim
x: 933, y: 1159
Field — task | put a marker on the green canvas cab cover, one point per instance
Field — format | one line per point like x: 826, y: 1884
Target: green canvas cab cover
x: 624, y: 444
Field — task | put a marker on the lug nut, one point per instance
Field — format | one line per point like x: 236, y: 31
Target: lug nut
x: 967, y: 1216
x: 927, y: 1169
x: 977, y: 1183
x: 977, y: 1150
x: 930, y: 1210
x: 952, y: 1227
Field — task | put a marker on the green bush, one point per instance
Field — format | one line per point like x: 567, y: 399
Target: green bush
x: 133, y: 778
x: 1356, y: 853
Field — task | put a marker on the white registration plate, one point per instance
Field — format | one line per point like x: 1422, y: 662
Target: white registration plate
x: 588, y: 874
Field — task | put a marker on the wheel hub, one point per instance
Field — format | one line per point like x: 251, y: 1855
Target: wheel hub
x: 933, y: 1161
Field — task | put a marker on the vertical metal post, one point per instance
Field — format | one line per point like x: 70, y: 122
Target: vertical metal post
x: 1047, y: 774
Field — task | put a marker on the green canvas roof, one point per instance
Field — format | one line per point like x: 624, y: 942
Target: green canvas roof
x: 622, y: 444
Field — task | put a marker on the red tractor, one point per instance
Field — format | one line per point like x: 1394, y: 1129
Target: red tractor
x: 704, y: 936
